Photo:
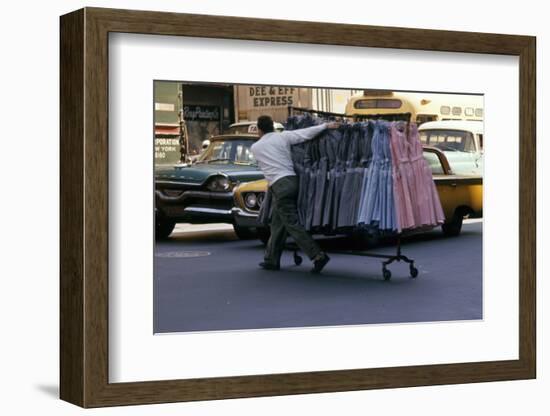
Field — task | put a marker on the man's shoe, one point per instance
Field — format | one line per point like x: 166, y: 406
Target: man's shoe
x: 319, y: 263
x: 269, y: 266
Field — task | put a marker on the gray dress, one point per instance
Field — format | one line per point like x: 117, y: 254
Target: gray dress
x: 320, y: 183
x: 332, y: 143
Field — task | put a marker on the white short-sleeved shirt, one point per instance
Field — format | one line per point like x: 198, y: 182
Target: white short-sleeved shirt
x: 272, y: 151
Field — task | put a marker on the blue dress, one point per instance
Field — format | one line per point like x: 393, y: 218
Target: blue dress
x: 361, y: 161
x: 377, y: 207
x: 332, y: 142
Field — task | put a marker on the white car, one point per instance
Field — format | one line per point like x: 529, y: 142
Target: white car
x: 460, y: 140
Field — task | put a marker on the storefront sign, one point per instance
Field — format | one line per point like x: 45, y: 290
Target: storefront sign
x: 164, y: 107
x: 201, y: 113
x: 263, y: 96
x: 167, y: 150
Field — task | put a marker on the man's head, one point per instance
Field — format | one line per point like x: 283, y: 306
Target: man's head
x: 265, y: 125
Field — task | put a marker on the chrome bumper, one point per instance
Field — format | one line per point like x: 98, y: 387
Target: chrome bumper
x: 243, y: 218
x: 197, y: 215
x: 196, y: 206
x: 185, y: 195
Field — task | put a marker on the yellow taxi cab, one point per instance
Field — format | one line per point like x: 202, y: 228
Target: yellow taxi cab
x: 461, y: 196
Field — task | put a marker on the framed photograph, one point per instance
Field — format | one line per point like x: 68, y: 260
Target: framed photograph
x: 255, y: 207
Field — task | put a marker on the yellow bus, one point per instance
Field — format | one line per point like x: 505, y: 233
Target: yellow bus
x: 414, y: 106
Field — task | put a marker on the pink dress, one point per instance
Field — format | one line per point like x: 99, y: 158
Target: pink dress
x: 402, y: 178
x: 425, y: 199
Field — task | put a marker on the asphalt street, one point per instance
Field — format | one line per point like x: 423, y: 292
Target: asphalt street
x: 208, y: 280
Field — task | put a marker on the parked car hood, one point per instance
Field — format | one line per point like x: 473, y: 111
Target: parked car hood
x: 465, y: 163
x: 200, y: 172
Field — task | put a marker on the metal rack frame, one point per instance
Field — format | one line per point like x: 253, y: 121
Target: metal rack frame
x: 386, y: 273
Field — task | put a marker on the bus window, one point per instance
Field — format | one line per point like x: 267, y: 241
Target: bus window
x: 377, y: 103
x: 480, y: 141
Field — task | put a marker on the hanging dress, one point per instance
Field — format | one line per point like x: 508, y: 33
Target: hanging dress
x: 320, y: 181
x: 426, y: 203
x: 366, y: 162
x: 333, y: 139
x: 313, y: 152
x: 403, y: 177
x: 349, y: 152
x: 298, y: 160
x: 377, y: 210
x: 358, y: 168
x: 388, y: 219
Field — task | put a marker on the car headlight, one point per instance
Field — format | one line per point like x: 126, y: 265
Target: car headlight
x: 219, y: 184
x: 250, y: 200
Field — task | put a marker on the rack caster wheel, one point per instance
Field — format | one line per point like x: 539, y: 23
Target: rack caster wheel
x: 297, y: 259
x: 414, y: 271
x: 386, y: 273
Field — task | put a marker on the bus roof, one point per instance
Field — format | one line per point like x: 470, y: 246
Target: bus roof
x: 442, y: 105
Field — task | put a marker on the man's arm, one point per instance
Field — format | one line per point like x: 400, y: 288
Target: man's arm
x: 301, y: 135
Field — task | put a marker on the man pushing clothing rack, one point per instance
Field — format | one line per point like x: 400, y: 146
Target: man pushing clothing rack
x: 272, y: 151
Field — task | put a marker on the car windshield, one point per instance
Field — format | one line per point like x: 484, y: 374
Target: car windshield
x: 229, y: 151
x: 448, y: 140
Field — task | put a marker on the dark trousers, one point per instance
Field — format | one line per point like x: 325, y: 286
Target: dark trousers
x: 284, y: 222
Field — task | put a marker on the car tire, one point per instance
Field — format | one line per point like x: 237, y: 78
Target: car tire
x: 453, y: 227
x: 263, y: 234
x: 245, y: 233
x: 163, y: 228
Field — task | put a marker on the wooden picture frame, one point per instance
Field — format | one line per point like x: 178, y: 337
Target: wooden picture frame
x: 84, y: 207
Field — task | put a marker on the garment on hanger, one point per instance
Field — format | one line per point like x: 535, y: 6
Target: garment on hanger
x: 403, y: 176
x: 320, y: 183
x: 346, y: 189
x: 425, y: 198
x: 332, y: 142
x: 354, y: 176
x: 298, y: 156
x: 339, y: 172
x: 377, y: 208
x: 370, y: 175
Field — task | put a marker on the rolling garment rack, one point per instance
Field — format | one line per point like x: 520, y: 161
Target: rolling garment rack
x: 386, y: 273
x: 389, y: 258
